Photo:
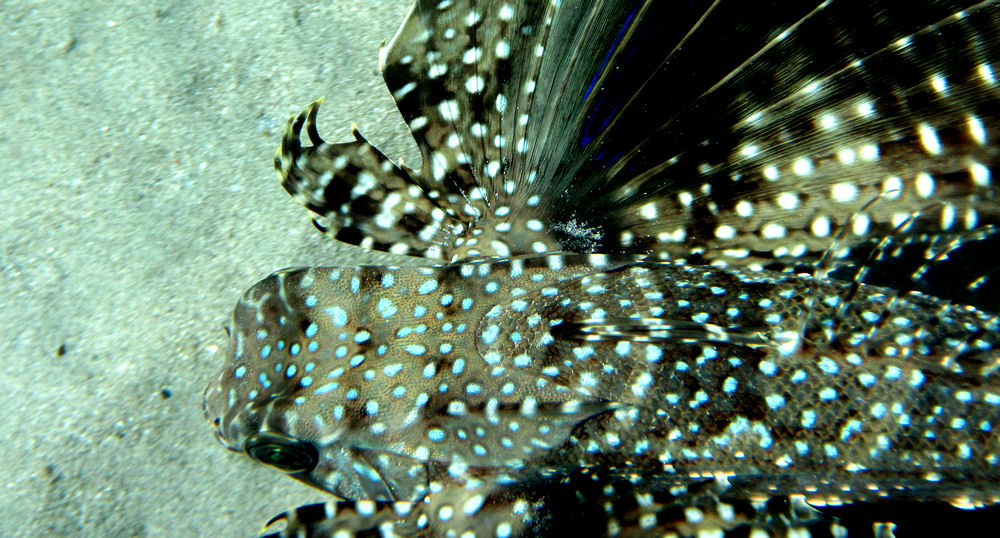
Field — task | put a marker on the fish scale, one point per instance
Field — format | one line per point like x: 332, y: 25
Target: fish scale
x: 684, y: 268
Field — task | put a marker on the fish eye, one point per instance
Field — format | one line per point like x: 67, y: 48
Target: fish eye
x: 284, y: 453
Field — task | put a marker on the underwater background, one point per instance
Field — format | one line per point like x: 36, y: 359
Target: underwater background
x: 138, y: 202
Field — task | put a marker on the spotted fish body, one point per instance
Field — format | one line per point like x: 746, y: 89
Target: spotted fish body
x: 573, y: 361
x: 684, y: 268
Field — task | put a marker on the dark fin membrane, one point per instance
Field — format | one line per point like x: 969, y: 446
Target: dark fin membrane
x: 916, y: 519
x: 784, y: 126
x: 596, y: 503
x: 709, y: 131
x: 959, y: 267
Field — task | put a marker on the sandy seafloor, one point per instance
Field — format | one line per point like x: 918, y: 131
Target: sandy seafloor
x: 137, y: 203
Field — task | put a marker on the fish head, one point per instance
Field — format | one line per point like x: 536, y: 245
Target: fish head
x: 282, y: 400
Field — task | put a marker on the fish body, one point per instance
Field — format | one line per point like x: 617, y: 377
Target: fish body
x: 685, y: 269
x: 407, y: 380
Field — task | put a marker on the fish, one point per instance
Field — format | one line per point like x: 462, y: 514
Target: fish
x: 680, y: 268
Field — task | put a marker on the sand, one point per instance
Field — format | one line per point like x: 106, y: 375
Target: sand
x: 138, y: 203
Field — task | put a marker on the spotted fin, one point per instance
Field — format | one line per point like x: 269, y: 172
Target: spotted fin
x: 340, y: 518
x: 798, y: 139
x: 447, y: 68
x: 486, y: 511
x: 359, y: 196
x: 583, y: 504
